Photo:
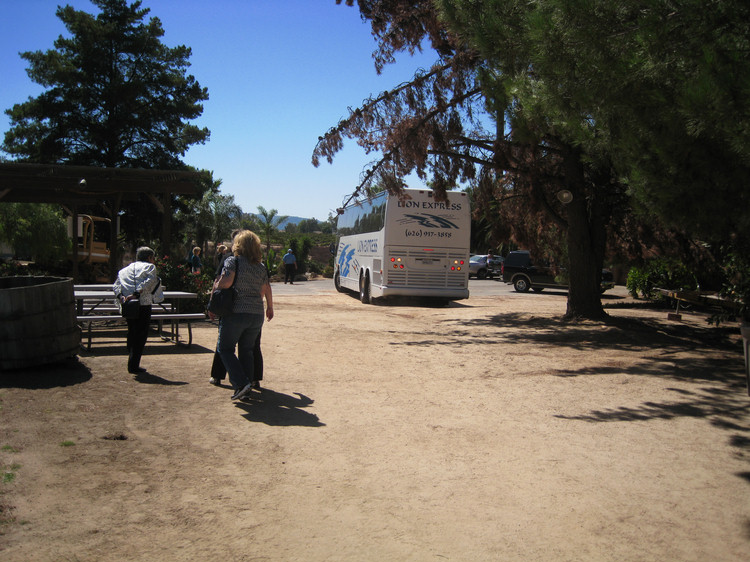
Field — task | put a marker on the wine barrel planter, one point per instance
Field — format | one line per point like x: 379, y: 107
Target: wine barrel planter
x: 37, y: 321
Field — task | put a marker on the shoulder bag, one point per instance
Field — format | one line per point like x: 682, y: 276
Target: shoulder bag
x: 222, y: 300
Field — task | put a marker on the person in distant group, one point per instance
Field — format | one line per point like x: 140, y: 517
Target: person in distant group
x: 195, y: 261
x: 290, y: 266
x: 138, y: 281
x: 218, y: 371
x: 243, y: 325
x: 221, y: 254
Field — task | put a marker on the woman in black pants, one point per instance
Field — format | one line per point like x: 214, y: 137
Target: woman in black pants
x: 218, y: 371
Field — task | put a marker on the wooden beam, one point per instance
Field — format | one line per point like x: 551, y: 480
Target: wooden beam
x: 156, y: 202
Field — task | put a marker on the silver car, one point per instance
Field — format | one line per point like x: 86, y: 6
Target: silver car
x: 481, y: 269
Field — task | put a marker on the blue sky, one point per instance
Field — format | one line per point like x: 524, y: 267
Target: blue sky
x: 279, y: 74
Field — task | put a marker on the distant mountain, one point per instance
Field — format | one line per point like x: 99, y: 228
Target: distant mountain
x: 291, y: 220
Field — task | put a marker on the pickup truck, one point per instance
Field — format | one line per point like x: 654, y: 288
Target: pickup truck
x: 524, y: 273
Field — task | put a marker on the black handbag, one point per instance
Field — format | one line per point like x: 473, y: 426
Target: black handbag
x: 131, y: 309
x: 222, y: 300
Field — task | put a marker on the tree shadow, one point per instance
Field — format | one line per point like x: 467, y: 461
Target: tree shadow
x: 625, y: 334
x: 278, y: 409
x: 64, y: 373
x: 685, y: 353
x: 724, y: 408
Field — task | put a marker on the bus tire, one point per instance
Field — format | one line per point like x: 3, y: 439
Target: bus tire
x: 364, y: 289
x: 337, y: 282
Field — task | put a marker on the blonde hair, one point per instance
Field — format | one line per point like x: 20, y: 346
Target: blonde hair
x: 247, y: 244
x: 197, y: 250
x: 221, y: 248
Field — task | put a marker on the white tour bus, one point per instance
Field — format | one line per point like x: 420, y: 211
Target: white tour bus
x: 405, y: 245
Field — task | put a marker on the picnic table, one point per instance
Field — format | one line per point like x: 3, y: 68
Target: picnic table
x: 95, y: 305
x: 695, y: 297
x: 711, y: 299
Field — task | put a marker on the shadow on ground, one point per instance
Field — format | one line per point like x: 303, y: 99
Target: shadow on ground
x: 278, y: 409
x: 64, y: 373
x: 148, y: 378
x: 710, y: 357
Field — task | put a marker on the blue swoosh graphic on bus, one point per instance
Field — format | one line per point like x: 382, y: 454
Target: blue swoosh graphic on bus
x: 429, y: 221
x: 345, y: 259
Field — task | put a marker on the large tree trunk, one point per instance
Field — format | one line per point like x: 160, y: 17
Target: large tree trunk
x: 586, y: 238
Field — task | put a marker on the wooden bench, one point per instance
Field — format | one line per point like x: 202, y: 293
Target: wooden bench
x: 173, y: 318
x: 112, y: 308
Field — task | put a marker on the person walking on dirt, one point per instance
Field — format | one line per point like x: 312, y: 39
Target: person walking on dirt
x: 290, y: 267
x: 243, y: 325
x: 218, y: 371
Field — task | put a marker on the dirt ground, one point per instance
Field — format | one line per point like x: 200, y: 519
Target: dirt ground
x: 487, y: 430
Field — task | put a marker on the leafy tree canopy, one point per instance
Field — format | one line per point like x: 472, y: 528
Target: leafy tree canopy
x: 565, y: 84
x: 661, y: 87
x: 116, y: 95
x: 34, y: 231
x: 269, y: 221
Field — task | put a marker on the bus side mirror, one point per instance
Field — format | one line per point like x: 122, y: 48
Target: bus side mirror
x: 332, y: 248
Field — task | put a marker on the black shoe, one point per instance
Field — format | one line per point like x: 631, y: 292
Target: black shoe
x: 256, y: 385
x: 136, y: 370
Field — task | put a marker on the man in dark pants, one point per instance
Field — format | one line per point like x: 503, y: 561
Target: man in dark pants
x: 138, y: 281
x: 290, y: 266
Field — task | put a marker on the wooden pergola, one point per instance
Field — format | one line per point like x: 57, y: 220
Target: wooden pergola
x: 107, y: 188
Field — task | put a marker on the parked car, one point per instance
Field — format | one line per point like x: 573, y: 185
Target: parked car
x: 524, y: 273
x: 481, y: 269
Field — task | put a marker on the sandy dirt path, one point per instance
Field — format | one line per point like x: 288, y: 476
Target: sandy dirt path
x: 473, y: 432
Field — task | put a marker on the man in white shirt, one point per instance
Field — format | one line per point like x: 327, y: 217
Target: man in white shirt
x: 138, y: 281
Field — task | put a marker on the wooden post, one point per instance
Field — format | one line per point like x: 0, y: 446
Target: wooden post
x: 166, y: 224
x: 114, y: 250
x: 75, y: 243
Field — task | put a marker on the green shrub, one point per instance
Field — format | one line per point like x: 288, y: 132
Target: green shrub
x: 736, y: 288
x: 176, y: 276
x: 314, y: 267
x: 659, y: 273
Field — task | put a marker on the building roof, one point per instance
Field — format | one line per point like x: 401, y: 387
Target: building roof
x: 71, y: 185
